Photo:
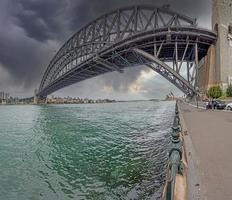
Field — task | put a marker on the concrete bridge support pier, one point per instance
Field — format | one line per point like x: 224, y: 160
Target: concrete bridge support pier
x: 36, y: 98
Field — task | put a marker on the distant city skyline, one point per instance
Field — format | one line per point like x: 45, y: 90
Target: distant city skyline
x: 32, y: 34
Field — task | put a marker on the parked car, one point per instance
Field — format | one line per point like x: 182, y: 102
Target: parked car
x: 229, y: 106
x: 216, y: 104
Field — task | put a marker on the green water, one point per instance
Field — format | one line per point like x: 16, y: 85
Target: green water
x: 99, y: 151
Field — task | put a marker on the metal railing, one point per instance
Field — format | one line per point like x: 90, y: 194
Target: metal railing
x: 175, y: 165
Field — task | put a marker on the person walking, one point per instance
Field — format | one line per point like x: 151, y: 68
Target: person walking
x: 214, y: 103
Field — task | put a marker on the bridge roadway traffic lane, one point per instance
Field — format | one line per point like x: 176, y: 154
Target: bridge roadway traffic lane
x: 211, y: 134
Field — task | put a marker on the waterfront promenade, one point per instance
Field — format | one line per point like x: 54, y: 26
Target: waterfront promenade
x: 211, y: 135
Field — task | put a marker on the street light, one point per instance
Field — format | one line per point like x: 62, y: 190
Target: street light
x: 197, y: 89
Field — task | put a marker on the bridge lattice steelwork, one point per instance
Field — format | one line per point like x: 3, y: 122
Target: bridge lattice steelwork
x: 167, y: 42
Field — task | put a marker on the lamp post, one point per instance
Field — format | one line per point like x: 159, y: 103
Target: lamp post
x: 197, y: 89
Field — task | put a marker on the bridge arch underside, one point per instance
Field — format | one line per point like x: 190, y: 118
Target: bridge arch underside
x: 174, y: 53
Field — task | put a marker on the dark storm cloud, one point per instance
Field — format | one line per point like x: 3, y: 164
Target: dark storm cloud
x: 87, y: 10
x: 31, y: 30
x: 41, y: 19
x: 23, y: 59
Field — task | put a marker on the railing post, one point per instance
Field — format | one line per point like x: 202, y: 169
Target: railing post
x: 175, y: 156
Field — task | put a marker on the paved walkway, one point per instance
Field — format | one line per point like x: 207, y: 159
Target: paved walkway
x: 211, y: 134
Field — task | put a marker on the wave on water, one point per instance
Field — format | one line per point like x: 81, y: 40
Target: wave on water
x: 100, y: 151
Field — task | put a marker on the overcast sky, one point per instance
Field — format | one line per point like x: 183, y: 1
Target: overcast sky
x: 33, y: 30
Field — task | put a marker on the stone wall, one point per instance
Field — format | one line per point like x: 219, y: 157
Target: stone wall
x: 207, y: 71
x: 222, y: 24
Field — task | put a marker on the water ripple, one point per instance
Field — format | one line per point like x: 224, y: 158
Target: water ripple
x: 106, y: 151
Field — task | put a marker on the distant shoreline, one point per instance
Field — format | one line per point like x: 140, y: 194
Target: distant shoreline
x: 115, y: 101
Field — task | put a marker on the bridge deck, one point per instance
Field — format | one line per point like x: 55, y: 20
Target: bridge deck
x: 211, y: 134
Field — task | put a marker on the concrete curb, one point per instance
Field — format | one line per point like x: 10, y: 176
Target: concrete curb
x: 193, y: 171
x: 200, y: 107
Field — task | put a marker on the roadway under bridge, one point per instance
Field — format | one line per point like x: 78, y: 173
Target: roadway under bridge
x: 167, y: 42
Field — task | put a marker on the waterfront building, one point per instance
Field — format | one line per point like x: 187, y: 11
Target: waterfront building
x: 4, y: 97
x: 75, y: 100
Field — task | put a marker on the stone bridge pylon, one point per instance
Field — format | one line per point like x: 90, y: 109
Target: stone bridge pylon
x: 216, y: 67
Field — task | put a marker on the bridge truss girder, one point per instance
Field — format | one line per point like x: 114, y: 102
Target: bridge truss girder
x: 172, y: 74
x: 109, y: 44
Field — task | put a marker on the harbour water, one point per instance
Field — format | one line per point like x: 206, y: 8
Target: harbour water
x: 92, y: 151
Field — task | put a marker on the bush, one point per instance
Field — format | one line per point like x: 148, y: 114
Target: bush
x: 223, y: 97
x: 229, y: 91
x: 214, y: 92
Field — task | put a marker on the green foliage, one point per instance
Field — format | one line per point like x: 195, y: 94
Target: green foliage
x: 214, y: 92
x: 223, y: 97
x: 229, y: 91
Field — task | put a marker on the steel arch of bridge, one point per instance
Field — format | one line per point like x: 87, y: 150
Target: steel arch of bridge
x: 167, y: 42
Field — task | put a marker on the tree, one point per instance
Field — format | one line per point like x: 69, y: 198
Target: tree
x: 214, y: 92
x: 229, y: 91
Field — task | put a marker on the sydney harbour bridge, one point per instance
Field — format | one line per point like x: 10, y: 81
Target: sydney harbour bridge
x: 165, y: 41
